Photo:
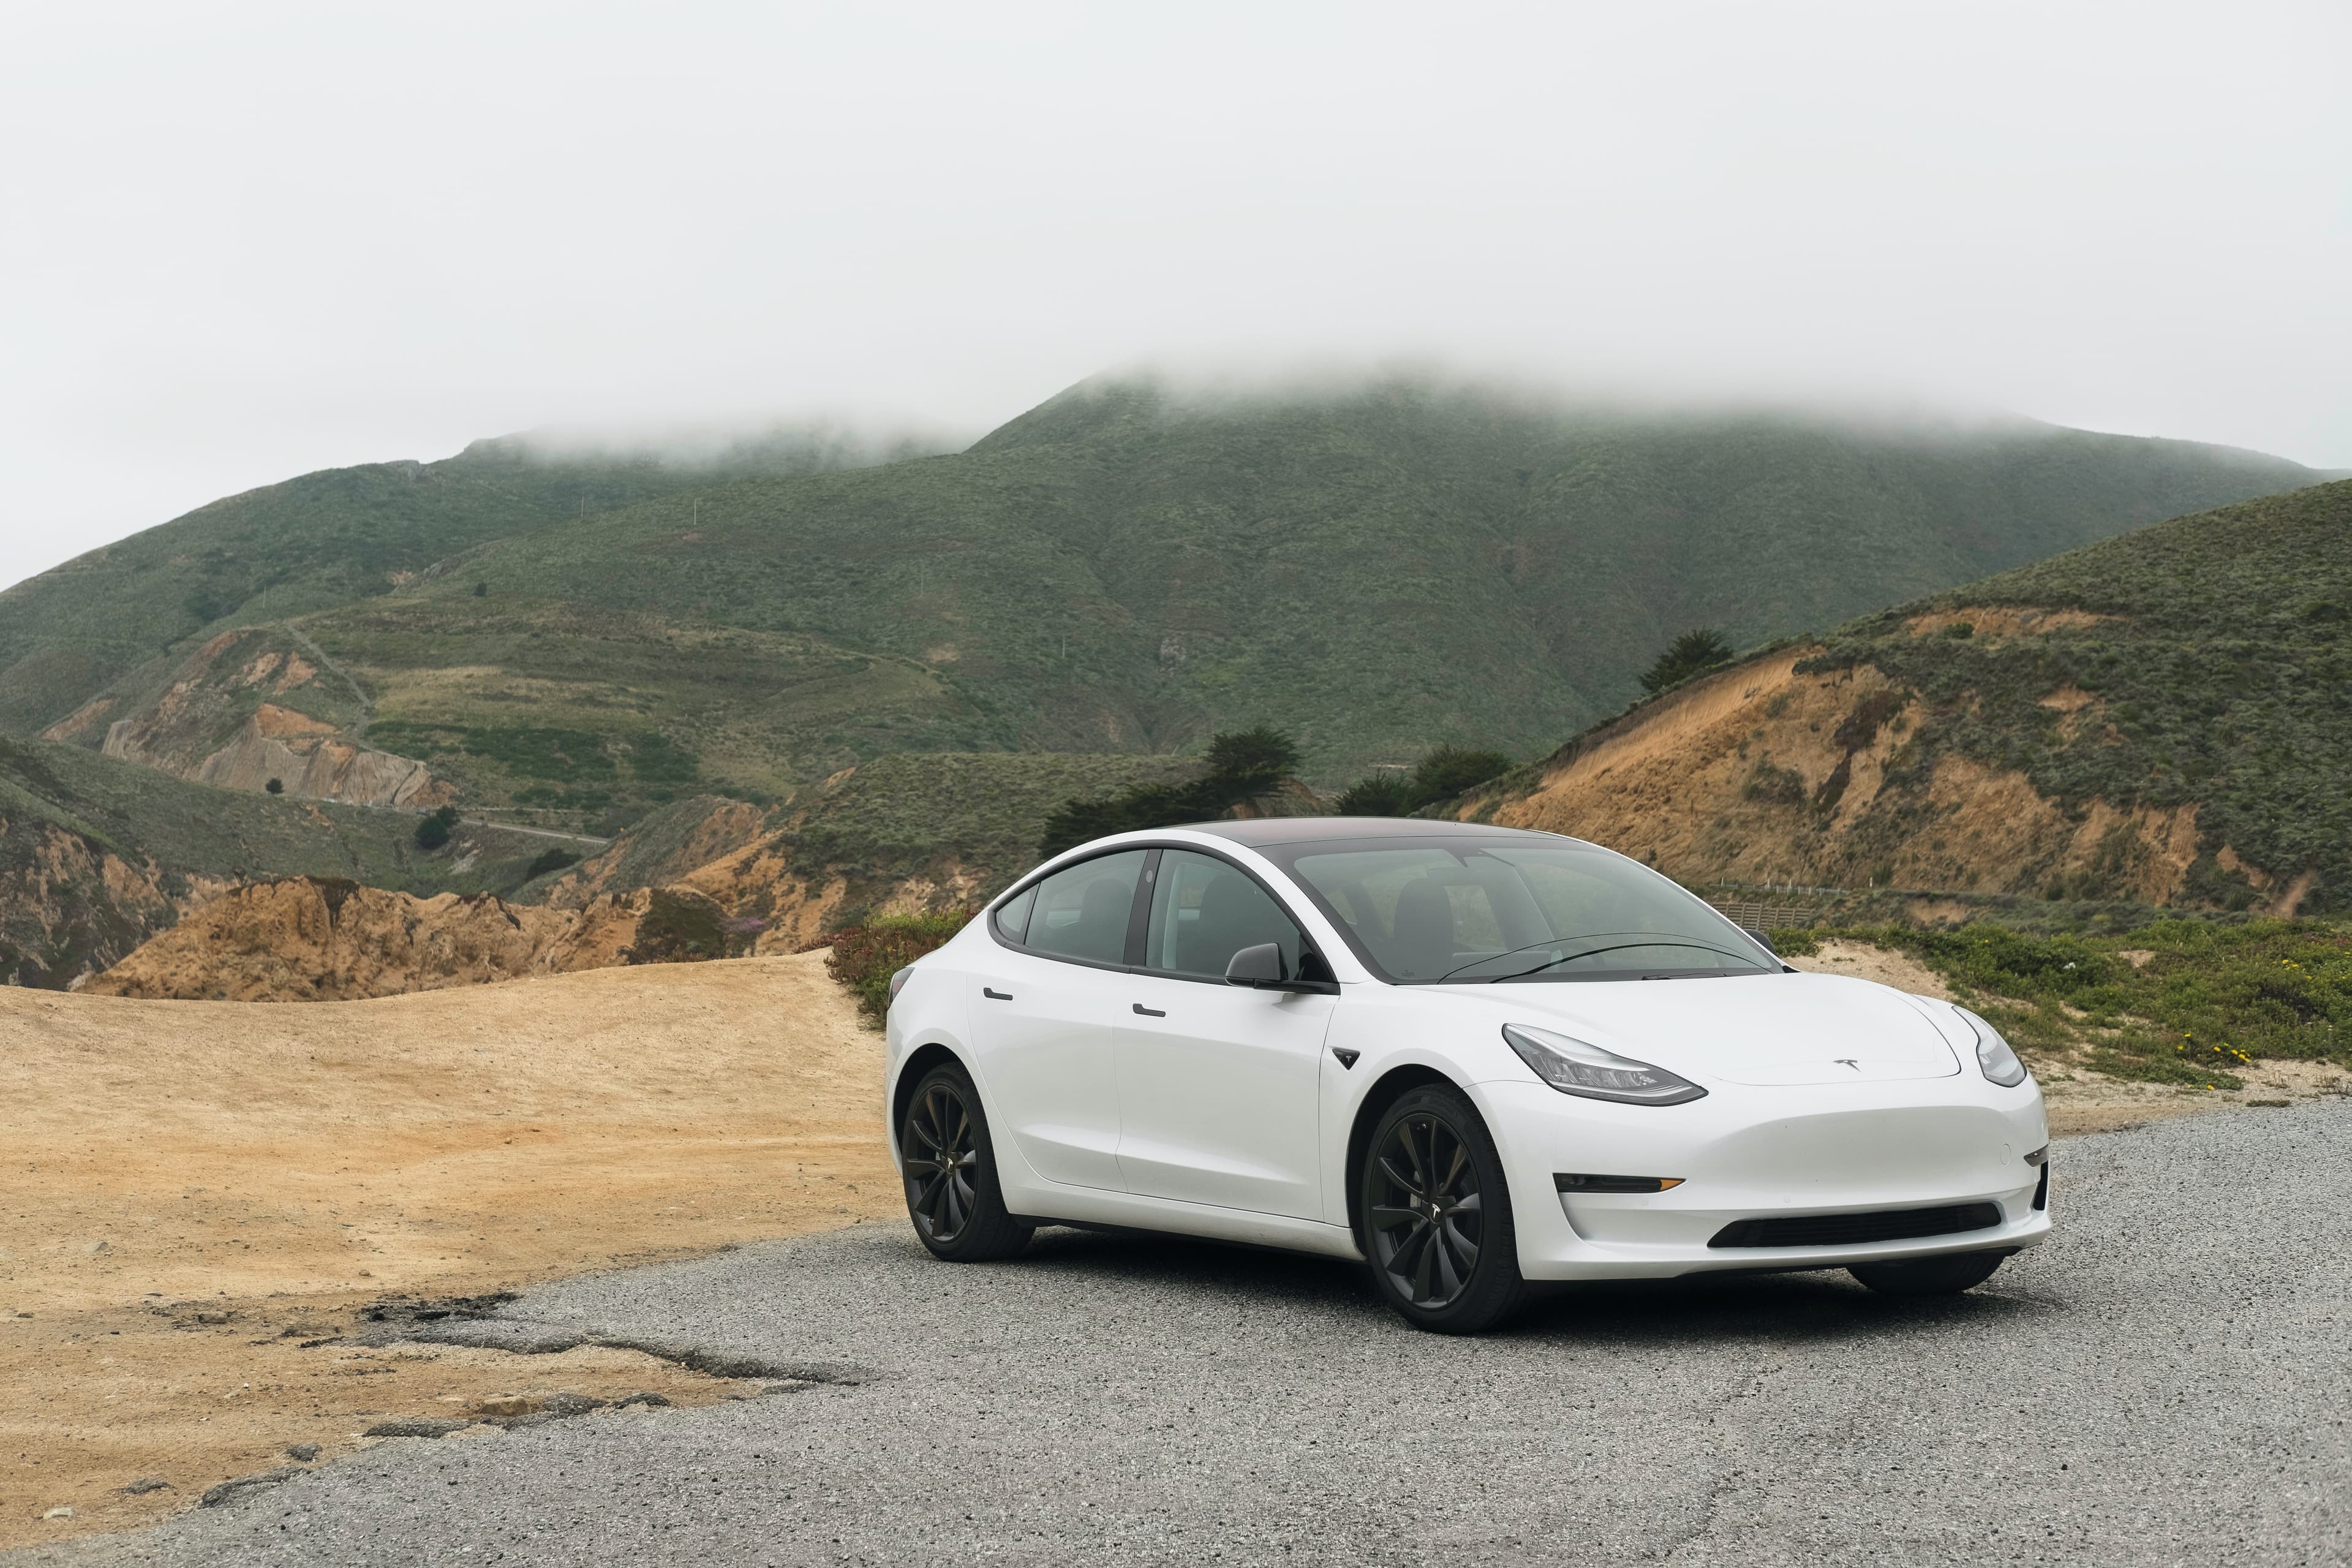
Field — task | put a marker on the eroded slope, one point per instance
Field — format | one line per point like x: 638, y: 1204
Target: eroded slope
x: 2159, y: 717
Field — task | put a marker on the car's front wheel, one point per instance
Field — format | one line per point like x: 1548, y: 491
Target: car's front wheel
x: 1437, y: 1218
x: 1945, y: 1276
x: 949, y: 1167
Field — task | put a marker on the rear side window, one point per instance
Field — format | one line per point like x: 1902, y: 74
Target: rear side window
x: 1203, y: 912
x: 1012, y: 916
x: 1082, y: 911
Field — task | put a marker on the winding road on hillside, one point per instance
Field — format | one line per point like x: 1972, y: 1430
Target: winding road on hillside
x: 2166, y: 1382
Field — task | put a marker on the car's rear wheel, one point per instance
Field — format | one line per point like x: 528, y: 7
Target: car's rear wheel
x: 1945, y: 1276
x: 1437, y: 1217
x: 949, y: 1167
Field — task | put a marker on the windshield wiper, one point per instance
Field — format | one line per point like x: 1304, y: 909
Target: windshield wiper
x: 1569, y: 957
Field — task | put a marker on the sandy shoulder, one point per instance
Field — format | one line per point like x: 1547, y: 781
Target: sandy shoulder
x: 199, y: 1188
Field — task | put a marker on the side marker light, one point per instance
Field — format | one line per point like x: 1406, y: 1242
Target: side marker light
x: 1580, y: 1183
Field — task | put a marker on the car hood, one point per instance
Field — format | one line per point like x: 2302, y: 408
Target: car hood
x: 1784, y: 1028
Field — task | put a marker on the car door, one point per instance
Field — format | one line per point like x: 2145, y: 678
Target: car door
x: 1218, y: 1085
x: 1048, y: 990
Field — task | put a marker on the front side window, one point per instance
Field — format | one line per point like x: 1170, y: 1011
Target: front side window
x: 1082, y: 910
x: 1506, y: 910
x: 1203, y: 912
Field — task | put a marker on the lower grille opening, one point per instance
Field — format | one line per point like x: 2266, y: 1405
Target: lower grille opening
x: 2042, y: 1190
x: 1854, y: 1229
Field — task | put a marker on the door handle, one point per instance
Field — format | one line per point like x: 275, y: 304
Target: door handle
x: 1150, y: 1012
x: 996, y: 995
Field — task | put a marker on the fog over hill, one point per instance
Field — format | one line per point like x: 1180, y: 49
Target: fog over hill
x: 1375, y: 564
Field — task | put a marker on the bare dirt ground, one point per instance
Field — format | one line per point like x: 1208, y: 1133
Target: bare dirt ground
x: 196, y: 1192
x: 2080, y: 1100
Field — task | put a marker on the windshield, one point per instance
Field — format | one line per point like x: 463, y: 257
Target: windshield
x: 1470, y: 911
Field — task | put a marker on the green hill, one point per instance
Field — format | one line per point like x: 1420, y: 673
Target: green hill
x: 2158, y: 719
x: 1375, y: 571
x: 320, y: 541
x: 2216, y: 674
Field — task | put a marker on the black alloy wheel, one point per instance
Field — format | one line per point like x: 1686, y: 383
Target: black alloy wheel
x: 1437, y: 1218
x: 950, y: 1169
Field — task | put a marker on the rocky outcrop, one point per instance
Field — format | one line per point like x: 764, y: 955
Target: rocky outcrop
x: 70, y: 905
x: 325, y: 940
x: 243, y: 711
x: 1771, y: 773
x: 311, y: 760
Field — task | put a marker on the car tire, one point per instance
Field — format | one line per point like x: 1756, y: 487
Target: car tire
x: 948, y: 1164
x: 1436, y: 1216
x: 1945, y: 1276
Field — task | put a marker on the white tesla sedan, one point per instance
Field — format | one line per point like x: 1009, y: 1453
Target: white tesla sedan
x: 1469, y: 1056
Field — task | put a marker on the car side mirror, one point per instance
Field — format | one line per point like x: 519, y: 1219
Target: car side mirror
x: 1259, y: 967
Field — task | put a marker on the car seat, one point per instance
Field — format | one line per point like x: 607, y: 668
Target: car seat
x: 1235, y: 914
x: 1422, y: 946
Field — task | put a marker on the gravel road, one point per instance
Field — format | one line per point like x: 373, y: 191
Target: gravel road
x: 2167, y: 1381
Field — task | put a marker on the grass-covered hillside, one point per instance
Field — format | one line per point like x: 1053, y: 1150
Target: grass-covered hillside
x: 98, y: 855
x: 1374, y: 570
x: 2160, y: 718
x: 320, y: 541
x: 2206, y: 663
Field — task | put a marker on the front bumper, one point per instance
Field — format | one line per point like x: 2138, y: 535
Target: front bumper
x: 1748, y: 1153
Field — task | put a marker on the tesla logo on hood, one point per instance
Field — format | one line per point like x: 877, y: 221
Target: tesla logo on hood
x: 1847, y: 1062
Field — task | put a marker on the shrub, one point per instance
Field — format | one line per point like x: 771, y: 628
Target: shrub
x: 1242, y: 766
x: 679, y: 926
x: 1449, y: 770
x: 1693, y: 653
x: 864, y: 956
x: 435, y: 830
x: 1440, y: 774
x: 276, y: 786
x: 1774, y: 785
x: 1376, y: 794
x: 551, y: 860
x: 2203, y: 1003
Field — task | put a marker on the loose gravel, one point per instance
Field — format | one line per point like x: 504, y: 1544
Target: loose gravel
x: 2166, y: 1382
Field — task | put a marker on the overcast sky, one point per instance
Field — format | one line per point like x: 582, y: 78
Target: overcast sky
x: 242, y: 241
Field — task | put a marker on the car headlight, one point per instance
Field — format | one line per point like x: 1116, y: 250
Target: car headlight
x: 1572, y: 1067
x: 2000, y: 1063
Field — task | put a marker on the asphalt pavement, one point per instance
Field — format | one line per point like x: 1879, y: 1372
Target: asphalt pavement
x: 2167, y: 1381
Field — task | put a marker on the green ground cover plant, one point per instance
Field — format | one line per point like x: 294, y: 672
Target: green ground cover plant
x: 2176, y: 1001
x: 864, y: 957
